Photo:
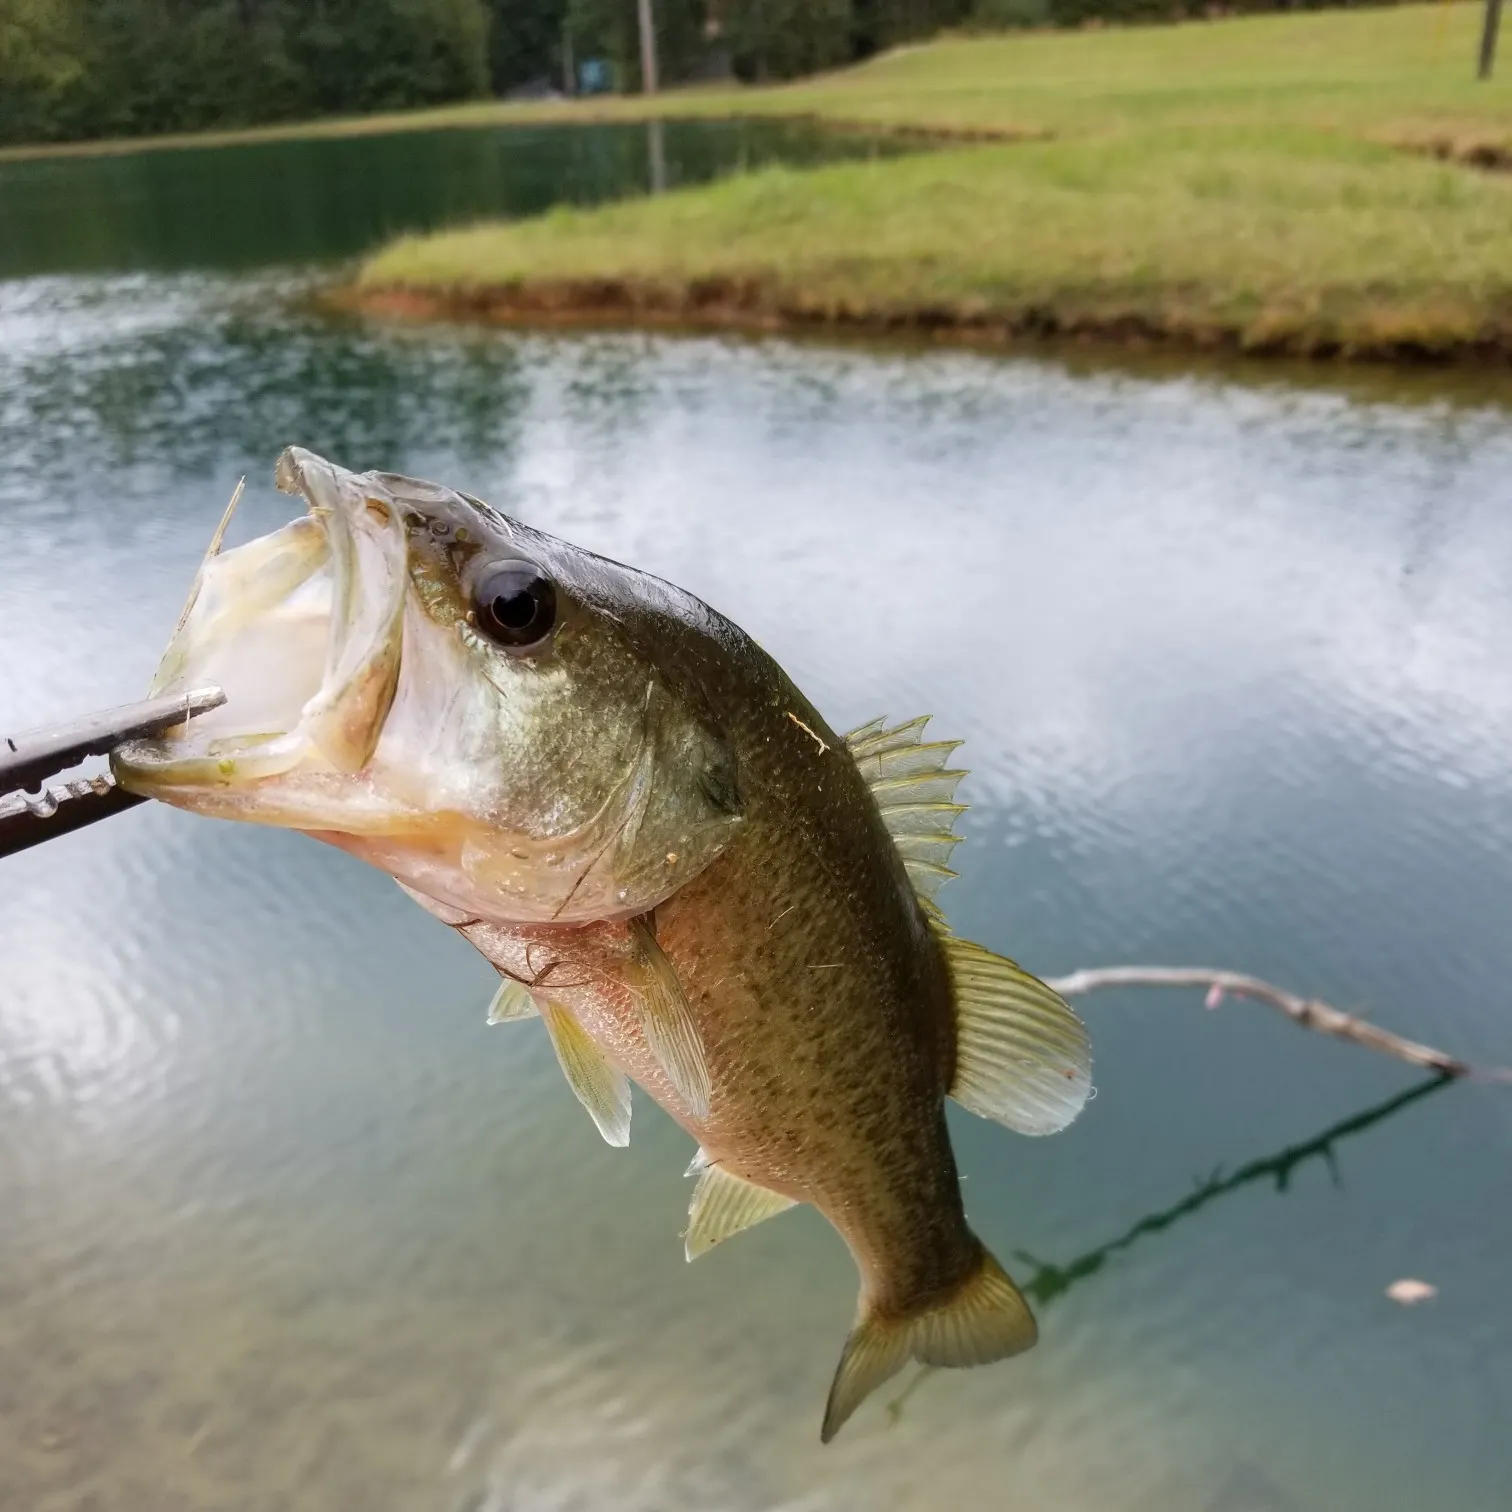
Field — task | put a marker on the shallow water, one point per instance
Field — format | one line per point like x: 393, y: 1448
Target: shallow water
x: 283, y: 1225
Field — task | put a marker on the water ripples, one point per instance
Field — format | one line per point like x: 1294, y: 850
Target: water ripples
x: 288, y: 1227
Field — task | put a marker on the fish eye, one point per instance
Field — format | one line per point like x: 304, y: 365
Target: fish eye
x: 515, y: 604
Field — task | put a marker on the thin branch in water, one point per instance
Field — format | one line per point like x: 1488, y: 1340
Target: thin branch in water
x: 1049, y: 1281
x: 1310, y: 1013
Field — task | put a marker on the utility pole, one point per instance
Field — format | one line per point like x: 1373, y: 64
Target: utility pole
x: 1489, y: 28
x: 648, y: 46
x: 656, y: 155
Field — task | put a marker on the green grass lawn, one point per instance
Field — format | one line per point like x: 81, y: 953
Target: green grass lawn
x: 1240, y: 182
x: 1255, y: 182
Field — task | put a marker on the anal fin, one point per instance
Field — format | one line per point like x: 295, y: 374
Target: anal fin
x: 723, y: 1205
x: 984, y: 1319
x: 601, y: 1088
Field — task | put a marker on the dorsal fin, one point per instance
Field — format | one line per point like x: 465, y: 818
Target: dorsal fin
x: 723, y: 1205
x: 915, y: 792
x: 1023, y: 1058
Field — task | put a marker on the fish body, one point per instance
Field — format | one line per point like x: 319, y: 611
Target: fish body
x: 820, y: 996
x: 665, y: 852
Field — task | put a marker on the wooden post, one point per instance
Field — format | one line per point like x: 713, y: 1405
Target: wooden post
x: 1489, y: 28
x: 648, y: 46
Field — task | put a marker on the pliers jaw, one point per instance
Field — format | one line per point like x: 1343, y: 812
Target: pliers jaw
x: 31, y: 812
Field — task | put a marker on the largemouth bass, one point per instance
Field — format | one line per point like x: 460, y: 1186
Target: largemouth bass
x: 664, y: 851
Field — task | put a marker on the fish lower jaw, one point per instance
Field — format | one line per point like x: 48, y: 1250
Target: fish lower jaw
x: 158, y: 771
x: 257, y: 739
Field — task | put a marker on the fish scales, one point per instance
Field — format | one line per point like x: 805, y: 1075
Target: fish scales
x: 810, y: 967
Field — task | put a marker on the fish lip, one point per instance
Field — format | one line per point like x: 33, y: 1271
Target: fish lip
x: 340, y: 502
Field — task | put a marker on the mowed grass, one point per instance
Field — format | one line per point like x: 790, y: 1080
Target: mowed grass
x: 1244, y: 181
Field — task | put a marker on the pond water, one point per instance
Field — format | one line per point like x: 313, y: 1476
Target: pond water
x: 284, y: 202
x: 284, y: 1225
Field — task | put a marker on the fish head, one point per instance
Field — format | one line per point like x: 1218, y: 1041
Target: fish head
x: 485, y: 712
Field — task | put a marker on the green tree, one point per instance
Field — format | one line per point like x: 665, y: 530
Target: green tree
x: 80, y: 68
x: 40, y: 63
x: 525, y: 42
x: 879, y: 24
x: 780, y: 39
x: 385, y: 54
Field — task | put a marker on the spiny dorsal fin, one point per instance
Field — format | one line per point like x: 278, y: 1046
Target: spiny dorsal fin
x: 511, y: 1002
x: 1023, y: 1057
x: 984, y: 1319
x: 600, y: 1087
x: 723, y: 1205
x: 915, y: 792
x: 667, y: 1019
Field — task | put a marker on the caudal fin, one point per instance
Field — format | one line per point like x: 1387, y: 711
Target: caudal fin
x: 985, y: 1319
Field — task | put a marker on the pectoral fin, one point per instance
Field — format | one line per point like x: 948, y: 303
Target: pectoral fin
x: 511, y: 1002
x: 667, y: 1020
x: 723, y: 1205
x: 1023, y: 1057
x: 600, y: 1087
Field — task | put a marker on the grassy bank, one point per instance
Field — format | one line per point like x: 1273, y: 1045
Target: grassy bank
x: 1265, y: 183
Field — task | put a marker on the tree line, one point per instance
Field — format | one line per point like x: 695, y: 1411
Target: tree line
x: 73, y: 69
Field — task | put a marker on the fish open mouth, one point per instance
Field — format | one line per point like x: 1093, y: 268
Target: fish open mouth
x: 411, y: 676
x: 302, y: 628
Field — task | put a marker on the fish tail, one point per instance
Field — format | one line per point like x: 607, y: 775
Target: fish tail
x: 985, y: 1318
